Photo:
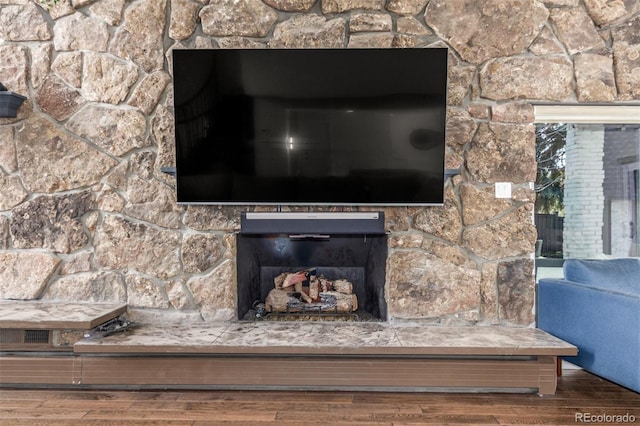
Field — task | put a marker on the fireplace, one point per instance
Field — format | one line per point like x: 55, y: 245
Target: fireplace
x: 349, y: 247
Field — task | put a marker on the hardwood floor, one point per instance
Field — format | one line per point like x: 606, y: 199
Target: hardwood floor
x: 579, y: 394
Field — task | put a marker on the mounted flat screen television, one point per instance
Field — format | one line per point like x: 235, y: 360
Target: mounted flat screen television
x: 310, y: 127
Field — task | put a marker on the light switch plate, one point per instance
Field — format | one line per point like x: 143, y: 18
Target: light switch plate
x: 503, y: 189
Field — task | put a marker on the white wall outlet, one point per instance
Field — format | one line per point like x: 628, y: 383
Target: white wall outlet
x: 503, y: 189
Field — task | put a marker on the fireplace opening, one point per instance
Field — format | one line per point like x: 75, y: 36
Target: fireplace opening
x: 312, y: 275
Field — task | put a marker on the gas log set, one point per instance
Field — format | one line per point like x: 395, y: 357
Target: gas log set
x: 307, y: 292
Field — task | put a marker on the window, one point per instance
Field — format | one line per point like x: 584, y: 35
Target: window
x: 587, y: 203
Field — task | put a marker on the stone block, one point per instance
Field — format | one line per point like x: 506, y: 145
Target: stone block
x: 25, y: 274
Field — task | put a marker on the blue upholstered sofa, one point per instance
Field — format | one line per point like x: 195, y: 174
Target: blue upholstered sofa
x: 596, y: 307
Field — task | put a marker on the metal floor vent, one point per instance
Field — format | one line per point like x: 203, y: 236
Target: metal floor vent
x: 24, y: 337
x: 36, y: 336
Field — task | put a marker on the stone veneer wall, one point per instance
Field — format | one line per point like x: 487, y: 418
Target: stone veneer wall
x: 87, y: 215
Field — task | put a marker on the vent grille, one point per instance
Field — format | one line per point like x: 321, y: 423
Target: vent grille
x: 24, y: 337
x: 38, y: 337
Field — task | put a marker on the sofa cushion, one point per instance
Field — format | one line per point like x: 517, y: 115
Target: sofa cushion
x: 614, y: 274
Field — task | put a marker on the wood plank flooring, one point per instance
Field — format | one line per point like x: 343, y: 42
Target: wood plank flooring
x: 579, y: 393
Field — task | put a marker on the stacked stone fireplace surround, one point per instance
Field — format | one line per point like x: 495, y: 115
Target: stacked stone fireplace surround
x: 86, y: 214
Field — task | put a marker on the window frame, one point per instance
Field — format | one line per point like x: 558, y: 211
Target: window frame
x: 589, y: 114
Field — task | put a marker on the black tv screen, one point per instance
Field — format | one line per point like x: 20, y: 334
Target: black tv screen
x: 310, y: 126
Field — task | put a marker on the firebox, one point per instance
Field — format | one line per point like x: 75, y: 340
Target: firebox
x: 342, y: 254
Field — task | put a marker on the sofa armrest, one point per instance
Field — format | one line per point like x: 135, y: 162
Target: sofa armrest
x: 603, y: 324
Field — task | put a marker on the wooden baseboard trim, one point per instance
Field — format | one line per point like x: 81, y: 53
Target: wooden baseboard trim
x: 285, y: 372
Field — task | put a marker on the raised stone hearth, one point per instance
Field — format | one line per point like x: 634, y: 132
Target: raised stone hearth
x: 409, y: 338
x: 407, y: 356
